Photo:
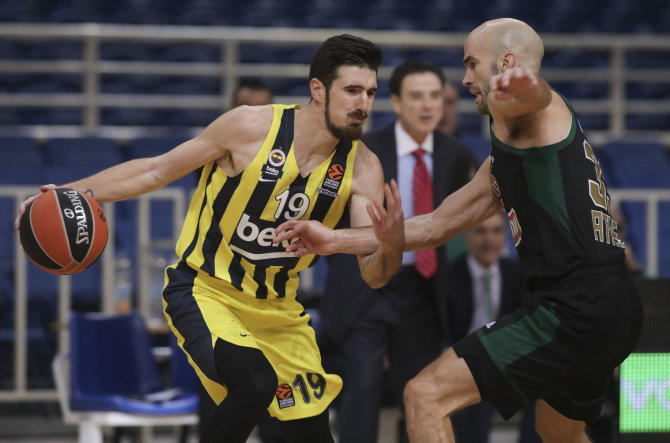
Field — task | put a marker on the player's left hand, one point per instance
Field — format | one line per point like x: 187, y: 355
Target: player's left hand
x: 389, y: 224
x: 511, y: 82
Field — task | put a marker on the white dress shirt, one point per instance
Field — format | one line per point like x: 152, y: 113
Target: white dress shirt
x: 405, y: 145
x: 479, y: 311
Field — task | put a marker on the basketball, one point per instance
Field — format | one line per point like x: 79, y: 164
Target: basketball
x: 63, y: 231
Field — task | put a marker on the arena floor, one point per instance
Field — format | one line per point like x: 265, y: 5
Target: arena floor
x: 37, y: 429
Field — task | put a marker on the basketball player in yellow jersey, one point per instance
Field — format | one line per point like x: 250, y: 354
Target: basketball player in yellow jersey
x: 231, y: 298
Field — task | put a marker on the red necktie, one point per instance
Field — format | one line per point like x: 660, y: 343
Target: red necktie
x: 422, y: 193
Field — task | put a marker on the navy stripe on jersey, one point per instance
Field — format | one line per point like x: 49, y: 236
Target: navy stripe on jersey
x: 191, y: 246
x: 281, y: 277
x: 259, y: 277
x: 323, y: 201
x: 187, y: 318
x: 214, y: 236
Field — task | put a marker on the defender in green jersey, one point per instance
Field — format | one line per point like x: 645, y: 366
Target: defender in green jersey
x: 585, y: 315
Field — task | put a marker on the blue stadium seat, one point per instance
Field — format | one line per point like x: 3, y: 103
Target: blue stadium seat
x: 664, y: 240
x: 269, y: 13
x: 95, y: 152
x: 444, y: 58
x: 453, y: 16
x: 86, y: 294
x: 126, y: 51
x: 647, y: 59
x: 7, y: 233
x: 113, y: 368
x: 153, y: 146
x: 636, y: 164
x: 208, y: 12
x: 195, y: 52
x: 62, y: 174
x: 592, y: 122
x: 19, y: 151
x: 192, y: 118
x: 52, y: 116
x: 141, y: 13
x: 20, y: 12
x: 76, y: 11
x: 196, y: 85
x: 647, y: 91
x: 131, y: 117
x: 52, y: 84
x: 22, y: 161
x: 22, y: 175
x: 649, y: 122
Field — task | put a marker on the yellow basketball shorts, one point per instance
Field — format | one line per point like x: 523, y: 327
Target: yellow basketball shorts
x: 199, y: 313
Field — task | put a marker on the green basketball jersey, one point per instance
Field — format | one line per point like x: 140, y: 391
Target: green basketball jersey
x: 557, y: 204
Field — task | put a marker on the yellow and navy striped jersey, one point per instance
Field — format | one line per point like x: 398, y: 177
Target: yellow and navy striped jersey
x: 230, y: 223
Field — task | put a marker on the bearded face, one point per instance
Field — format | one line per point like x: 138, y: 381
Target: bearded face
x: 347, y: 132
x: 484, y: 88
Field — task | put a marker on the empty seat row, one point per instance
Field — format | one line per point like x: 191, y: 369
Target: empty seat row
x: 436, y: 15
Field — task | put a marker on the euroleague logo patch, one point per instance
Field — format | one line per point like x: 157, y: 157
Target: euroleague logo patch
x: 284, y: 396
x: 336, y: 172
x: 277, y: 158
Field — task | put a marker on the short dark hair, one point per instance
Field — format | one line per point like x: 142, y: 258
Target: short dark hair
x: 340, y: 50
x: 413, y: 67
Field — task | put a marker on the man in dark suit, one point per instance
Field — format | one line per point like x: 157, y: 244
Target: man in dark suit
x: 399, y: 323
x: 483, y: 286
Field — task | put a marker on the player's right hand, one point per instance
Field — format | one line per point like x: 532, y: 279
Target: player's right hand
x: 309, y: 237
x: 24, y: 205
x: 511, y: 82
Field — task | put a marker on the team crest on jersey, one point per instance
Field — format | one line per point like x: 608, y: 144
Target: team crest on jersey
x: 495, y: 188
x: 272, y: 170
x: 284, y: 396
x: 515, y: 226
x: 276, y: 158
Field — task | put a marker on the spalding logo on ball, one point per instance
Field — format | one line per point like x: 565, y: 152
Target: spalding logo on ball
x: 63, y: 231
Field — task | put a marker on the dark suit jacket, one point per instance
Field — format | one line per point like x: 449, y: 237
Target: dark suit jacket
x: 346, y: 294
x: 460, y: 306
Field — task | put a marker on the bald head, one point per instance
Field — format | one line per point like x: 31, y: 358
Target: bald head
x: 508, y: 35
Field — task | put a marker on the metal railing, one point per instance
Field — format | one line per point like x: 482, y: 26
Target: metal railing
x: 145, y: 245
x: 617, y: 74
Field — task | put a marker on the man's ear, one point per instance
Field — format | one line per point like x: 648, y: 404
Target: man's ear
x: 395, y: 102
x: 317, y: 90
x: 507, y: 61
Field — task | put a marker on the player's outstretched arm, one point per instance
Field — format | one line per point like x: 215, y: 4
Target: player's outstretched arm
x: 140, y: 176
x: 466, y: 207
x: 471, y: 204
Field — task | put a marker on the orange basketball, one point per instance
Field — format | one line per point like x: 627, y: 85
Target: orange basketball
x: 63, y: 231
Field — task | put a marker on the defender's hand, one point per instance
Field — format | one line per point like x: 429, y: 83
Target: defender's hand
x: 508, y: 84
x: 389, y: 225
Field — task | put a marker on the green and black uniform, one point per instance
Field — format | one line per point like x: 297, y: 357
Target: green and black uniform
x: 585, y: 315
